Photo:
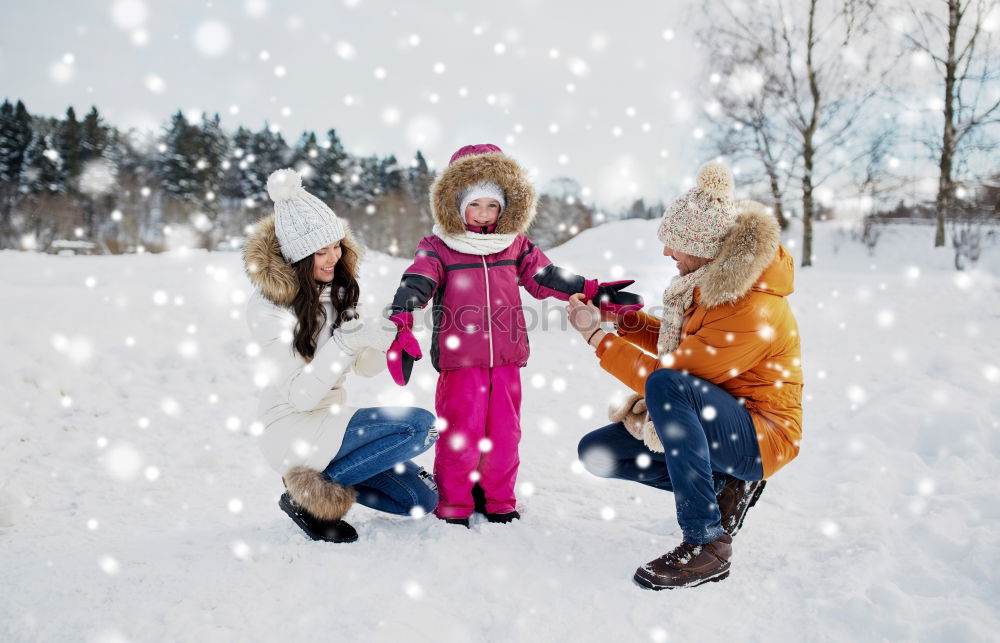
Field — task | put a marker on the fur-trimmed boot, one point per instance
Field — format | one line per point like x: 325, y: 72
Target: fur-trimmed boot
x: 316, y: 504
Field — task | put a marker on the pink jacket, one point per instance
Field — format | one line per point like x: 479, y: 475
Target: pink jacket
x: 477, y: 314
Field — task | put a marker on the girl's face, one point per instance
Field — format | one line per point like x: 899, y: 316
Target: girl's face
x: 324, y: 261
x: 482, y: 212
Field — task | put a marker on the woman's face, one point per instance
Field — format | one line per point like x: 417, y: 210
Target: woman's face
x: 324, y: 261
x: 482, y: 212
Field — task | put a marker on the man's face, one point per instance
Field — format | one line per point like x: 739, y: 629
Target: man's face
x: 685, y: 263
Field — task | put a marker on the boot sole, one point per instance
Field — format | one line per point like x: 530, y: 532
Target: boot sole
x: 753, y: 501
x: 645, y: 583
x: 305, y: 528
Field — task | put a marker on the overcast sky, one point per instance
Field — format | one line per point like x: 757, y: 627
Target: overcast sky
x: 604, y: 92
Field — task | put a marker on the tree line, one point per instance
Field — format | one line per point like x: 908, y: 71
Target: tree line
x: 68, y: 182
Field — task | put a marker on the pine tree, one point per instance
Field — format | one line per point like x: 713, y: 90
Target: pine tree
x: 42, y: 184
x: 231, y: 187
x: 418, y: 186
x: 15, y: 137
x: 97, y: 174
x: 267, y: 152
x: 390, y: 175
x: 175, y: 166
x: 94, y: 136
x: 67, y: 142
x: 332, y: 169
x: 43, y: 171
x: 214, y: 149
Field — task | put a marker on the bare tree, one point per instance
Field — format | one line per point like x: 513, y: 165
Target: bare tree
x: 953, y: 34
x: 746, y: 120
x: 799, y: 76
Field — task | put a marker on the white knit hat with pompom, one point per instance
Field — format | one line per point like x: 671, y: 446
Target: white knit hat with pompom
x: 697, y: 222
x: 303, y: 223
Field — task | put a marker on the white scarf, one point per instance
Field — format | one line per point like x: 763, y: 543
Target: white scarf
x: 677, y: 298
x: 474, y: 243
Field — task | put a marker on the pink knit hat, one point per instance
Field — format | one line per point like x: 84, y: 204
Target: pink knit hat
x: 470, y: 150
x: 697, y: 222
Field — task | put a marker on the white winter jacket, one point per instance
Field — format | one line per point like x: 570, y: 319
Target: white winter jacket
x: 304, y: 406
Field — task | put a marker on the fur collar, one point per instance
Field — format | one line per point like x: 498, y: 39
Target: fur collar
x: 746, y: 252
x: 497, y: 167
x: 271, y: 274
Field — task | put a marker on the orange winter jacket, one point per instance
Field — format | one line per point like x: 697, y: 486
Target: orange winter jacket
x: 749, y: 347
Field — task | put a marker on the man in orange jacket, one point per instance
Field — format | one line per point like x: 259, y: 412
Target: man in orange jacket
x: 717, y: 377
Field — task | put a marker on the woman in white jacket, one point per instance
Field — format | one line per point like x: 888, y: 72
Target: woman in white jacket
x: 303, y: 262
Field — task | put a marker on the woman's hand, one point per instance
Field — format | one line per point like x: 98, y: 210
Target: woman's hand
x: 585, y: 318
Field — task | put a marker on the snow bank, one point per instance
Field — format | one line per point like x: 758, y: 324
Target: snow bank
x: 127, y: 417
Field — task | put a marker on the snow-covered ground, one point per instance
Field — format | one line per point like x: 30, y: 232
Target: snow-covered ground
x: 135, y: 505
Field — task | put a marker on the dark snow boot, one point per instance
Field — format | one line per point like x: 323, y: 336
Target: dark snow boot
x: 478, y: 499
x: 479, y: 506
x: 688, y: 565
x: 504, y: 518
x: 332, y: 531
x: 735, y: 501
x: 457, y: 521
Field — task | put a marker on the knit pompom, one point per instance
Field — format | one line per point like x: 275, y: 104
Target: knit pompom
x: 716, y: 180
x: 283, y: 184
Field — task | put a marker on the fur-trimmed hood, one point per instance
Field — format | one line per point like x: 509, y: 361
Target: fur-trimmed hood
x: 272, y: 275
x: 469, y: 170
x: 748, y: 260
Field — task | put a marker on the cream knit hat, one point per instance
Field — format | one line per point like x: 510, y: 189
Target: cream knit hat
x: 697, y: 222
x: 303, y: 223
x: 482, y: 190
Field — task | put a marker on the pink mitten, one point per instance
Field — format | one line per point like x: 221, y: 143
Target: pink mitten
x: 610, y: 296
x: 404, y: 350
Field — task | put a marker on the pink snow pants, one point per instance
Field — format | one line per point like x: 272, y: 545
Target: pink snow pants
x: 477, y: 403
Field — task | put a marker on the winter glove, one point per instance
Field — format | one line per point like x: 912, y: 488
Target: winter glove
x: 636, y: 420
x: 404, y: 350
x: 369, y: 362
x: 355, y: 335
x: 610, y: 296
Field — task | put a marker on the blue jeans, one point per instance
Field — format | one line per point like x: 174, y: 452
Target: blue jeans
x: 374, y: 459
x: 701, y: 448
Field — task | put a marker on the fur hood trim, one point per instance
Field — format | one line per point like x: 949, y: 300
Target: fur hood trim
x: 517, y: 214
x: 317, y: 494
x: 746, y: 252
x: 272, y: 275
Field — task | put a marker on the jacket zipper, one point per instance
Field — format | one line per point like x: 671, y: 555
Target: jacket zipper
x: 489, y: 323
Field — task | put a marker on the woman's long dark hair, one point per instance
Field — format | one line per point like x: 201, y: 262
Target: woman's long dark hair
x: 310, y: 314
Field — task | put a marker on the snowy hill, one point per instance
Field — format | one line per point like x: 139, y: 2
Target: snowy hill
x: 135, y: 505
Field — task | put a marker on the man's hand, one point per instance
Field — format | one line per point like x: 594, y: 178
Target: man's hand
x: 584, y: 317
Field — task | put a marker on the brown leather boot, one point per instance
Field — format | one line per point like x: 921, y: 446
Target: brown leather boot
x: 688, y: 565
x: 735, y: 501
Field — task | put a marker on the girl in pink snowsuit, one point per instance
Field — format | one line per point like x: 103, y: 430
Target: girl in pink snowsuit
x: 473, y: 267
